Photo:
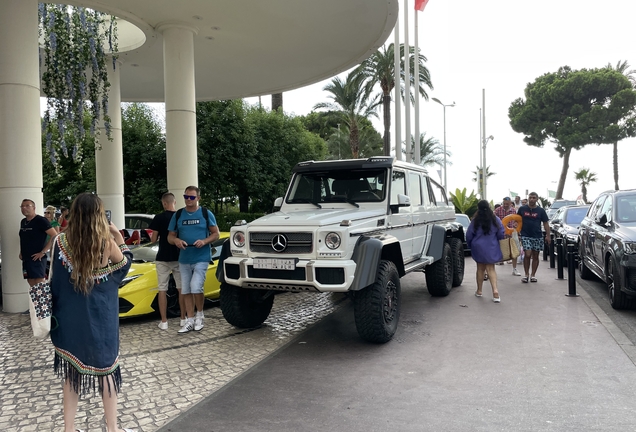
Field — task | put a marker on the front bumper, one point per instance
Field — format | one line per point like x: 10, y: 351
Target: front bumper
x: 308, y: 275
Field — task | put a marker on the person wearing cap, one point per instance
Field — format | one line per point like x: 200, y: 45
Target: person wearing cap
x: 501, y: 212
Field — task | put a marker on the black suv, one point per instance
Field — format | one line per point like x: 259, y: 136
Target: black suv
x: 608, y: 245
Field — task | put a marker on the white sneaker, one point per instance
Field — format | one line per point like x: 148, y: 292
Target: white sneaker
x: 198, y: 323
x: 515, y: 272
x: 163, y: 325
x: 188, y: 326
x: 199, y: 314
x: 182, y: 322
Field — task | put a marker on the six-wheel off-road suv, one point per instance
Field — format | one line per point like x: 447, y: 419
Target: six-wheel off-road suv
x: 352, y: 226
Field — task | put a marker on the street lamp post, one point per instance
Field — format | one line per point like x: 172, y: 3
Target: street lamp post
x: 449, y: 105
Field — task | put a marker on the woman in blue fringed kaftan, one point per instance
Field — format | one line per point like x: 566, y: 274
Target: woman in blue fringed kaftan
x: 91, y: 261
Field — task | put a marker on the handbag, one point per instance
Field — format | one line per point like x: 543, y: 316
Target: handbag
x: 41, y: 303
x: 509, y: 249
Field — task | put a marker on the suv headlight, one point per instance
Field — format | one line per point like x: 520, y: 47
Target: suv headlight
x: 332, y: 240
x: 239, y: 239
x: 629, y: 247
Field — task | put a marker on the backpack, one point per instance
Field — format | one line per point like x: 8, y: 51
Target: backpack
x: 204, y: 212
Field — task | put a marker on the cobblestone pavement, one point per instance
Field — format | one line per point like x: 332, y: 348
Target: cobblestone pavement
x: 164, y: 373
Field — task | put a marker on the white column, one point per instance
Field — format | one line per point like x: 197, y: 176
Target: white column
x: 179, y: 89
x: 20, y: 138
x: 416, y: 151
x: 109, y: 160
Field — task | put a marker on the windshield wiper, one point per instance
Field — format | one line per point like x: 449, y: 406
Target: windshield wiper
x: 342, y: 198
x: 306, y: 201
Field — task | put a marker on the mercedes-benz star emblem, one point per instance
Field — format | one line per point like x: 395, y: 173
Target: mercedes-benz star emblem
x: 279, y: 243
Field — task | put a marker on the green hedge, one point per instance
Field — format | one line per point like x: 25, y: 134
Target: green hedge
x: 226, y: 220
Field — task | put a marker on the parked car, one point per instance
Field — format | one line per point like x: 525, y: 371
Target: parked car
x: 136, y: 228
x: 556, y: 205
x: 465, y: 221
x: 607, y: 246
x: 138, y: 290
x: 565, y: 225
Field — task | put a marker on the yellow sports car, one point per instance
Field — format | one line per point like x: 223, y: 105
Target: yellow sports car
x: 138, y: 290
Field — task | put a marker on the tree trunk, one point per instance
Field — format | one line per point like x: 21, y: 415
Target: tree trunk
x: 564, y: 173
x: 244, y: 202
x: 584, y: 193
x: 386, y: 103
x: 616, y: 165
x: 277, y: 102
x: 354, y: 140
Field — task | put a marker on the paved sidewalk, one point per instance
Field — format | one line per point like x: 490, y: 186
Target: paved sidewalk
x: 539, y: 361
x: 164, y: 373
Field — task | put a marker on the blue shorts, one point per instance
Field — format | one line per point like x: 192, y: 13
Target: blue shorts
x: 34, y: 269
x: 193, y: 277
x: 532, y: 243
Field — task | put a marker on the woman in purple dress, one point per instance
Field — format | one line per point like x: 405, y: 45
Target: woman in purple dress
x: 483, y: 237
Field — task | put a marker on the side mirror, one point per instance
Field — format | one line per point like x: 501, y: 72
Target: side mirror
x: 602, y: 220
x: 403, y: 200
x: 278, y: 202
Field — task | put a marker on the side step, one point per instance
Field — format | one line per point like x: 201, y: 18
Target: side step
x: 418, y: 264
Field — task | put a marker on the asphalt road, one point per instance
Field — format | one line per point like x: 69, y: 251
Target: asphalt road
x: 625, y: 320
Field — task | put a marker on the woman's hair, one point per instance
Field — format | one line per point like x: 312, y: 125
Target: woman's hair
x: 484, y: 217
x: 87, y: 234
x: 51, y: 209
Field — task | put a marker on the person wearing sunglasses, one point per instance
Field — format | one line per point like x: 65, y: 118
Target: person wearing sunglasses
x: 192, y: 231
x: 49, y: 213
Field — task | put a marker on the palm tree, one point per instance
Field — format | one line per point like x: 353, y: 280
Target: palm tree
x: 353, y: 100
x: 380, y: 69
x: 622, y: 67
x: 431, y: 152
x: 488, y: 173
x: 338, y: 142
x: 584, y: 176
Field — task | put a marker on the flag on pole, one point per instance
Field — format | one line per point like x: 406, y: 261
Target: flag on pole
x: 551, y: 194
x: 420, y: 5
x: 513, y: 194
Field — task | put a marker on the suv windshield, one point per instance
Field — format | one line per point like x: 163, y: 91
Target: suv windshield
x: 626, y: 208
x: 351, y: 186
x: 574, y: 216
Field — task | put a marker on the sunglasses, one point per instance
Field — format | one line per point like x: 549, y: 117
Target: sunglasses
x: 47, y: 212
x: 190, y: 197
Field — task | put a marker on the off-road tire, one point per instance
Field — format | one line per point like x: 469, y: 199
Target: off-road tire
x: 439, y: 275
x: 457, y: 252
x: 585, y: 272
x: 618, y: 299
x: 376, y: 308
x: 243, y: 307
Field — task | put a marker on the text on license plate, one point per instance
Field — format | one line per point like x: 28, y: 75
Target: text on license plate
x: 274, y: 263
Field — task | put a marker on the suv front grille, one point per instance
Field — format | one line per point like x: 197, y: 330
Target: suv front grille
x: 297, y: 242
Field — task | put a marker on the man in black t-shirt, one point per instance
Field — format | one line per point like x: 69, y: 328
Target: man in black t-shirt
x: 532, y: 216
x: 167, y: 260
x: 33, y: 243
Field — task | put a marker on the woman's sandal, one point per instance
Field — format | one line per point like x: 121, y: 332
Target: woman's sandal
x: 477, y: 294
x: 533, y: 279
x: 524, y: 279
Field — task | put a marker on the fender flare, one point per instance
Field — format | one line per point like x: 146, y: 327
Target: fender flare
x: 368, y: 253
x: 225, y: 252
x: 436, y: 246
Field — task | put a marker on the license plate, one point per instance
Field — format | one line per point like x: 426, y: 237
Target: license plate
x: 275, y: 263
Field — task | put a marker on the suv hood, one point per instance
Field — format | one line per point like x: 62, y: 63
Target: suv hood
x: 626, y: 230
x: 316, y: 217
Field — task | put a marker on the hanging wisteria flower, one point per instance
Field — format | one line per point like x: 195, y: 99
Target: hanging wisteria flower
x: 72, y: 40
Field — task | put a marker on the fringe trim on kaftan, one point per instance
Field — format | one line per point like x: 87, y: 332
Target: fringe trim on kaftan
x: 85, y: 379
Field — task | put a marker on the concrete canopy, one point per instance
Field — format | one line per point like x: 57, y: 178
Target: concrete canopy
x: 249, y: 48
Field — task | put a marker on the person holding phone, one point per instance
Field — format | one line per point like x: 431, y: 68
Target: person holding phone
x: 92, y: 261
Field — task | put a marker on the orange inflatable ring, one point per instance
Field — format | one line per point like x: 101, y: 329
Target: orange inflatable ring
x: 512, y: 218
